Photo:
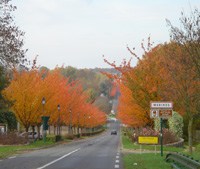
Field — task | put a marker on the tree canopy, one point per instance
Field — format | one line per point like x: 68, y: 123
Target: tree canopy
x: 11, y: 37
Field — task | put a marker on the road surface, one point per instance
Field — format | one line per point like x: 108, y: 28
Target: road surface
x: 99, y: 152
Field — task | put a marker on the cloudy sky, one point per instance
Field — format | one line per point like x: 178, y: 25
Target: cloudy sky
x: 79, y: 32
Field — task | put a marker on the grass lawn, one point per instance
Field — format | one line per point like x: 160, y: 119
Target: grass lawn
x: 195, y: 154
x: 127, y: 144
x: 12, y: 150
x: 146, y: 160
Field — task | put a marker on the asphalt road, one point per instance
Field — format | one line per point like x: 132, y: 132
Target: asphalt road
x: 99, y: 152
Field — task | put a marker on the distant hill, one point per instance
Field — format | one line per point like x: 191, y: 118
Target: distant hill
x: 107, y: 70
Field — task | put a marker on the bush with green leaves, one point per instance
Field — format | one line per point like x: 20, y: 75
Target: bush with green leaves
x: 51, y: 138
x: 8, y: 117
x: 175, y: 124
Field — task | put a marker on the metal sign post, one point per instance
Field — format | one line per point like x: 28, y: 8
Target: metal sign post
x: 161, y: 109
x: 161, y: 142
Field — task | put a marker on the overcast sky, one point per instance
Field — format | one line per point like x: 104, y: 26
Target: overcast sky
x: 79, y: 32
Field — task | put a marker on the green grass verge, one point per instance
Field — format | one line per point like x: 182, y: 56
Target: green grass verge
x: 195, y: 154
x: 11, y: 150
x: 146, y: 160
x: 127, y: 144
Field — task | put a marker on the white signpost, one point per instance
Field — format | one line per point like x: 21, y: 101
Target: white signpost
x: 161, y: 105
x: 161, y: 109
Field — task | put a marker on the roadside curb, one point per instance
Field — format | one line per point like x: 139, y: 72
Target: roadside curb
x: 63, y: 142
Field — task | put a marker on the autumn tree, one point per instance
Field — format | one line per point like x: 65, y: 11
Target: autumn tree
x: 28, y: 88
x: 188, y: 35
x: 11, y: 37
x: 142, y: 81
x: 183, y: 83
x: 184, y: 66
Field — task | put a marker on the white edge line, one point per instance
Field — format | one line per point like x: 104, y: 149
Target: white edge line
x: 116, y: 166
x: 58, y: 159
x: 11, y: 157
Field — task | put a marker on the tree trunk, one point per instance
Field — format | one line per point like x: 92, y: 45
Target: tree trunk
x: 38, y: 131
x: 49, y: 130
x: 54, y: 131
x: 190, y: 135
x: 33, y: 132
x: 27, y: 128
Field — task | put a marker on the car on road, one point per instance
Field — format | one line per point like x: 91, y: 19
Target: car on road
x: 30, y: 134
x: 114, y: 132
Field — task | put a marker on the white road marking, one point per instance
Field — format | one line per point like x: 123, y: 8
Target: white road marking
x: 58, y: 159
x: 117, y: 161
x: 116, y: 166
x: 117, y: 156
x: 11, y: 157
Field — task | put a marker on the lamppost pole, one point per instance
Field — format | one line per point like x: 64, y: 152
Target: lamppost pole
x: 78, y: 123
x: 44, y: 133
x: 161, y: 137
x: 59, y: 119
x: 89, y: 125
x: 84, y: 123
x: 70, y: 110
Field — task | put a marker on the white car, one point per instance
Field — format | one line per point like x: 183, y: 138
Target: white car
x: 30, y: 135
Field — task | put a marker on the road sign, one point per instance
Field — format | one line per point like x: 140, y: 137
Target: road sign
x: 161, y: 105
x: 147, y: 140
x: 154, y: 113
x: 165, y: 113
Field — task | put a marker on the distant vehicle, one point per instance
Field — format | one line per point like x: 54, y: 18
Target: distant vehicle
x: 113, y: 132
x: 30, y: 135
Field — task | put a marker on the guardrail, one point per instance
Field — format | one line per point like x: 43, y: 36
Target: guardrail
x: 180, y: 161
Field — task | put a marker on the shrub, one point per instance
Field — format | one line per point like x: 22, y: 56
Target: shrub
x: 12, y: 139
x: 130, y: 136
x: 58, y: 138
x: 51, y: 138
x: 69, y: 136
x: 168, y: 136
x: 175, y: 124
x: 9, y: 118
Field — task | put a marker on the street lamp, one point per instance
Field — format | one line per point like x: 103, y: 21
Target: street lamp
x: 44, y: 134
x: 78, y: 123
x: 84, y: 123
x: 70, y: 111
x: 59, y: 117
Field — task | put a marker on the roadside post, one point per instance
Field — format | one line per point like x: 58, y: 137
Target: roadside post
x: 45, y: 126
x: 147, y: 140
x: 161, y: 109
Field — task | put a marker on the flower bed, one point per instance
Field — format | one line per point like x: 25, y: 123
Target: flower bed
x: 168, y: 136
